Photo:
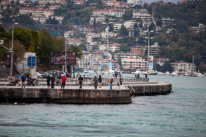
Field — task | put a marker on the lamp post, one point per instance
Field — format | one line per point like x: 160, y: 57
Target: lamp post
x: 148, y: 45
x: 12, y: 48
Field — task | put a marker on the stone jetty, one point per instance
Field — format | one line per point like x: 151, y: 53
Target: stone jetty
x: 88, y: 95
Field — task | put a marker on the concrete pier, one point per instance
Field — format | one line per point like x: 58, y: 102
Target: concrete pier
x: 87, y: 95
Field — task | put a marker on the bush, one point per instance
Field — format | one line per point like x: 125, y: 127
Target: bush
x: 27, y: 74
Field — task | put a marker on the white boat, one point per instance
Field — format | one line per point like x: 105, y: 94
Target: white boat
x: 91, y: 71
x: 167, y: 73
x: 174, y: 74
x: 152, y: 72
x: 200, y: 74
x: 160, y: 73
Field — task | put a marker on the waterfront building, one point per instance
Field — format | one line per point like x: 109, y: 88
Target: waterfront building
x: 133, y: 63
x: 183, y: 66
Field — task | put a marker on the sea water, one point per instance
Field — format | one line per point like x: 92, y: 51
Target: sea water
x: 180, y: 113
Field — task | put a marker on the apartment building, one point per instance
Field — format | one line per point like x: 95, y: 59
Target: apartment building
x: 50, y: 1
x: 132, y: 63
x: 114, y: 47
x: 201, y: 27
x: 139, y: 50
x: 119, y: 56
x: 184, y: 66
x: 134, y: 2
x: 129, y: 24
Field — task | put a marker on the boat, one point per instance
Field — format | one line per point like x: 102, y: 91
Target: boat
x: 152, y: 72
x: 167, y: 73
x: 199, y: 74
x: 160, y: 73
x: 174, y: 74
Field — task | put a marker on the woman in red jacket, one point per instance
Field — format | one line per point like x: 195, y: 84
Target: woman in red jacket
x: 63, y: 82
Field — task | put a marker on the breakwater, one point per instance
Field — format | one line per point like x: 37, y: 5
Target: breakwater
x: 76, y: 96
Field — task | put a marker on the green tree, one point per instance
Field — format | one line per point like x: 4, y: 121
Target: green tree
x: 167, y: 67
x: 24, y: 36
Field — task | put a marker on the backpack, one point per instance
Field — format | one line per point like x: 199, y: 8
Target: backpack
x: 23, y: 78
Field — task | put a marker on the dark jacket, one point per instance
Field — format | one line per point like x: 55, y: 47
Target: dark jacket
x: 100, y: 79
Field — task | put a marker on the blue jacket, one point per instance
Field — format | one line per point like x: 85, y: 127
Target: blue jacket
x: 24, y: 77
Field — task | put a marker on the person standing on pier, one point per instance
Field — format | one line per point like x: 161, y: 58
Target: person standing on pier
x: 120, y: 80
x: 23, y: 79
x: 95, y: 82
x: 52, y: 81
x: 100, y: 81
x: 111, y: 81
x: 64, y: 79
x: 48, y: 81
x: 80, y: 82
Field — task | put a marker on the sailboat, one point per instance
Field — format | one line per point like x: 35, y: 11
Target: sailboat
x: 193, y: 74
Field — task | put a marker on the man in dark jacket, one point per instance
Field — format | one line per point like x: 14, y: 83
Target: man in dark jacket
x: 23, y: 79
x: 100, y: 81
x: 80, y: 82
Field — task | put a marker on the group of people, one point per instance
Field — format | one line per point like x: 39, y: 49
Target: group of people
x: 98, y: 80
x: 52, y: 79
x: 80, y: 79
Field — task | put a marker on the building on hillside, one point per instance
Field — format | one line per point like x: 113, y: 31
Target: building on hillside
x: 118, y: 25
x: 116, y: 12
x: 104, y: 35
x: 142, y: 14
x: 157, y: 30
x: 58, y: 18
x: 92, y: 38
x: 139, y: 50
x: 201, y: 27
x: 183, y: 66
x: 119, y: 56
x: 119, y: 4
x: 50, y: 1
x: 161, y: 61
x: 102, y: 47
x: 167, y: 21
x: 69, y: 34
x: 51, y: 27
x: 114, y: 64
x: 53, y: 7
x: 79, y: 2
x: 153, y: 49
x: 114, y: 47
x: 133, y: 63
x: 40, y: 19
x: 98, y: 18
x: 129, y: 24
x: 132, y: 3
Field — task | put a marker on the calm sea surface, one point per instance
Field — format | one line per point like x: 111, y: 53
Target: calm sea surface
x: 180, y: 113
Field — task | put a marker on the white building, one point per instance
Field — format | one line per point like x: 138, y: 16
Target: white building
x: 184, y: 66
x: 68, y: 34
x: 134, y: 63
x: 118, y: 25
x: 98, y: 18
x: 129, y: 24
x: 58, y: 18
x: 114, y: 47
x: 142, y: 14
x: 104, y: 34
x: 134, y: 2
